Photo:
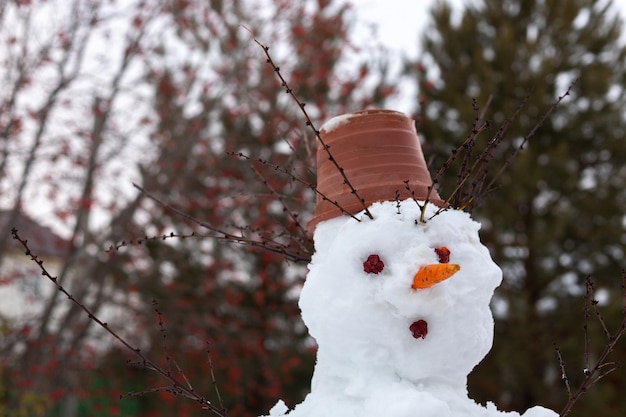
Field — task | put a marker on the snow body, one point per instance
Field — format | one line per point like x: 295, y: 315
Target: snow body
x: 369, y: 364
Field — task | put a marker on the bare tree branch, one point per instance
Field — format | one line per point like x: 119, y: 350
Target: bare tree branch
x: 176, y: 387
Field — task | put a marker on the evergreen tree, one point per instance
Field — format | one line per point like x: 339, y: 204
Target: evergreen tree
x: 557, y: 213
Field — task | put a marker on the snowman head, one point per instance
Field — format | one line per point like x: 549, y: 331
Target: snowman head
x: 387, y: 292
x: 361, y: 304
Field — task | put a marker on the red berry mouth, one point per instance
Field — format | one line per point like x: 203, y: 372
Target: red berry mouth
x: 373, y: 264
x: 419, y: 329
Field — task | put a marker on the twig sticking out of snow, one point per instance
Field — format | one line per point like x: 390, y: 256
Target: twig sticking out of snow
x: 309, y: 123
x: 478, y: 126
x: 472, y: 185
x: 475, y: 192
x: 422, y: 207
x: 175, y: 387
x: 481, y: 191
x: 602, y: 367
x: 397, y: 201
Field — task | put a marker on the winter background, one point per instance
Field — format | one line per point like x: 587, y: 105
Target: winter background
x: 394, y: 23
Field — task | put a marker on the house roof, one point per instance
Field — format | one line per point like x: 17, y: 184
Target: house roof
x: 41, y: 239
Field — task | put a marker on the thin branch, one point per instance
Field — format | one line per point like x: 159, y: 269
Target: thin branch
x: 309, y: 122
x: 591, y: 299
x: 213, y: 379
x: 543, y: 118
x: 422, y: 207
x: 176, y: 386
x: 599, y: 370
x: 563, y: 372
x: 161, y: 322
x: 481, y: 162
x: 295, y: 178
x: 292, y: 215
x: 397, y: 199
x: 147, y: 391
x: 142, y: 240
x: 586, y: 325
x: 268, y: 244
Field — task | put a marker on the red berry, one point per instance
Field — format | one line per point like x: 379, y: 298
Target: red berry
x: 444, y: 254
x: 419, y: 329
x: 373, y: 264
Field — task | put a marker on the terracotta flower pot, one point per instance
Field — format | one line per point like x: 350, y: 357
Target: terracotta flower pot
x: 378, y: 150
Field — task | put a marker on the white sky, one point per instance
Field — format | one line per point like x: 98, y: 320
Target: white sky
x: 398, y: 26
x: 399, y: 22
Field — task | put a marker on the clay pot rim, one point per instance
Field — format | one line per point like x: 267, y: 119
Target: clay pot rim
x: 342, y: 119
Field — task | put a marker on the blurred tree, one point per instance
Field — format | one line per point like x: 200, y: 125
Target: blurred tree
x: 161, y: 93
x: 557, y: 214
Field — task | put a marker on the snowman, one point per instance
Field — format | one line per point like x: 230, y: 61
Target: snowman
x: 398, y: 290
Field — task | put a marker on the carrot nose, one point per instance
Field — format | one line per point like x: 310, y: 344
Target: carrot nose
x: 429, y: 275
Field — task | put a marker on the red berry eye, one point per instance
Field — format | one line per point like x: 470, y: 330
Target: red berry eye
x: 373, y: 264
x: 444, y: 254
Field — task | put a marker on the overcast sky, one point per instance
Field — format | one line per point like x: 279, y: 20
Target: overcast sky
x: 399, y: 22
x: 398, y: 26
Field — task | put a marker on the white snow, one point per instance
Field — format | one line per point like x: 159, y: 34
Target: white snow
x: 342, y: 119
x: 336, y: 121
x: 369, y: 364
